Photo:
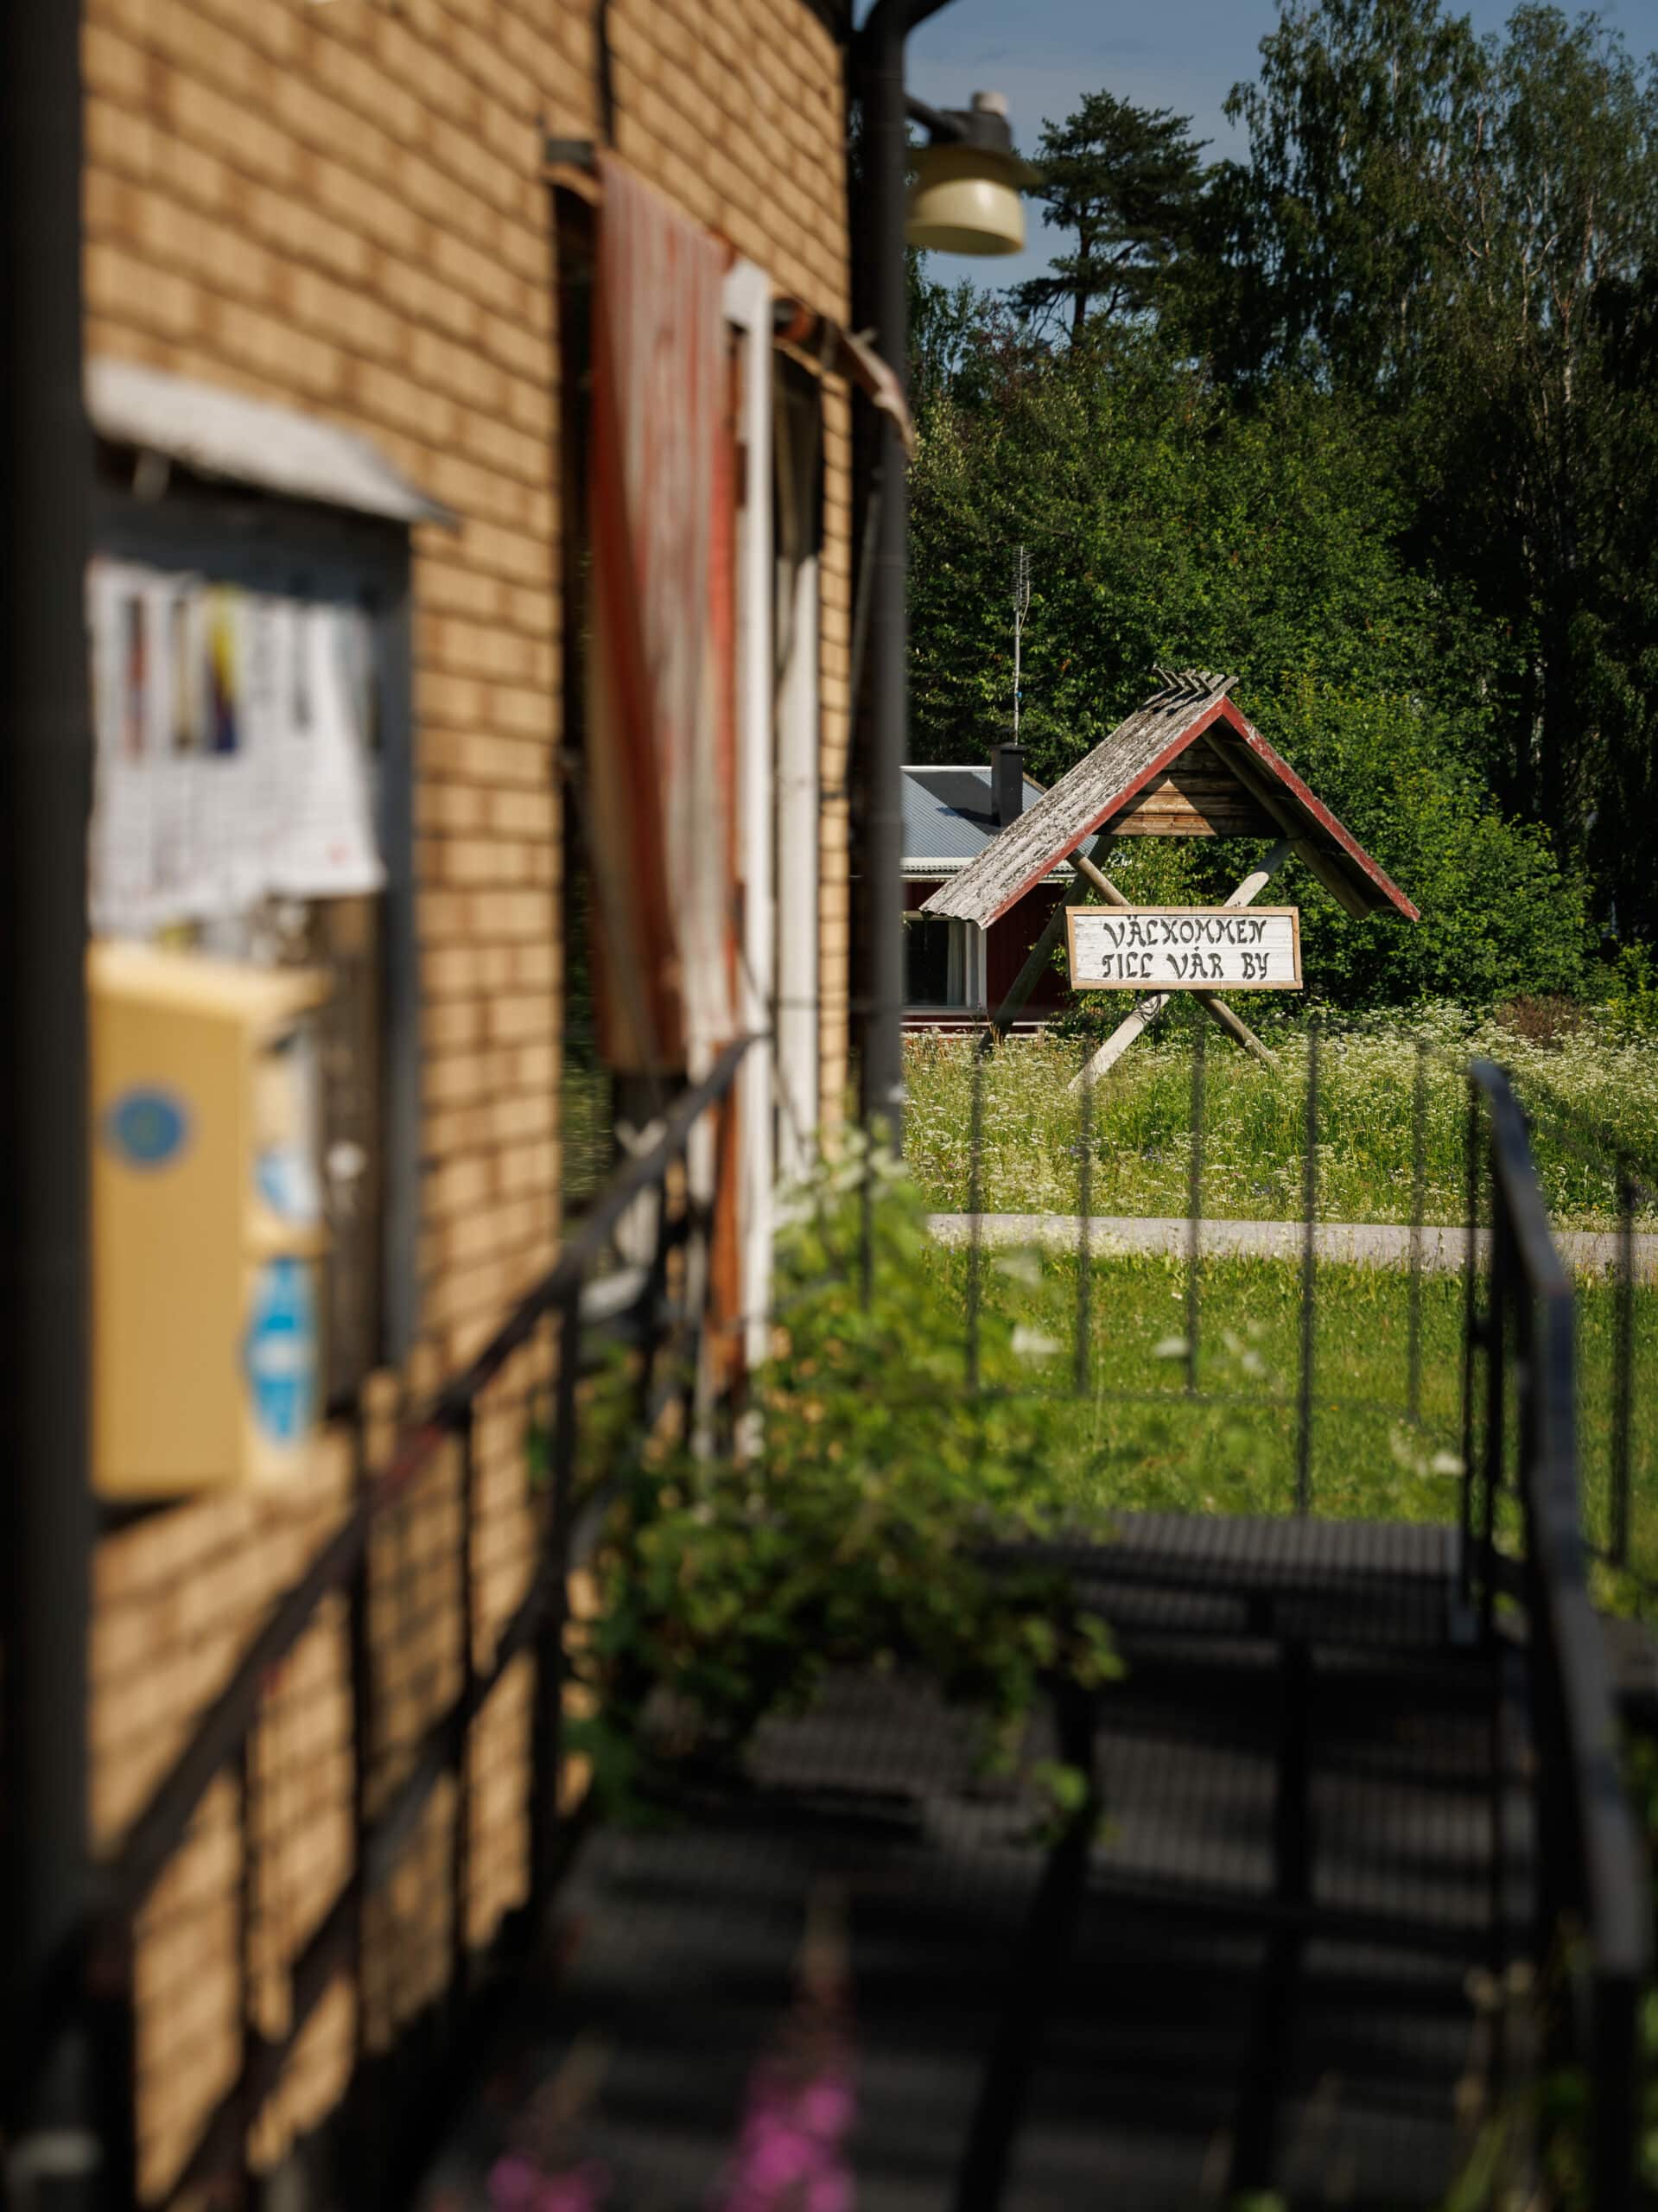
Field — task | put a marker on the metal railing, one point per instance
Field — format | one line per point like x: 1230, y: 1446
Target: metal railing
x: 1616, y: 1370
x: 661, y: 1202
x: 1524, y: 1546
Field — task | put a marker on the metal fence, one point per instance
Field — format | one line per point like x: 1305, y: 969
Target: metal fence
x: 1617, y: 1342
x: 1179, y: 1372
x: 1410, y: 1382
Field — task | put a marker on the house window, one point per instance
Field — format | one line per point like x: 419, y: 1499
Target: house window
x: 251, y: 672
x: 927, y: 960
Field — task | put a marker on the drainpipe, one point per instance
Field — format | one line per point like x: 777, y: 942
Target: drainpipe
x: 883, y: 306
x: 50, y: 2152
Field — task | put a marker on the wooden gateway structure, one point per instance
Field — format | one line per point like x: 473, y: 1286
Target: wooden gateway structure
x: 1186, y: 764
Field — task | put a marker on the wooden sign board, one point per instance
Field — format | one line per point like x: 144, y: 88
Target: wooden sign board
x: 1185, y: 948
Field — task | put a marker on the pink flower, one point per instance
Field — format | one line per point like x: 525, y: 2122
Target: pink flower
x: 789, y: 2156
x: 828, y: 2107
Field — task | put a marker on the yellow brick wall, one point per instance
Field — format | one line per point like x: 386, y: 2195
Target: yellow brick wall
x: 342, y: 208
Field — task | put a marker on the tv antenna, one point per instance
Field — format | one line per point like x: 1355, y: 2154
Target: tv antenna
x: 1021, y: 608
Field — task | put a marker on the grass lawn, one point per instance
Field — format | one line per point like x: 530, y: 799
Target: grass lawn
x: 1133, y: 1436
x: 1585, y: 1090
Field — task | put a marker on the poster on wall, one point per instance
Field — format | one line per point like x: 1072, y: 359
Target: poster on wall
x: 232, y: 754
x: 325, y: 846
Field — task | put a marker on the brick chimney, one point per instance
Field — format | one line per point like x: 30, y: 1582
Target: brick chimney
x: 1007, y: 783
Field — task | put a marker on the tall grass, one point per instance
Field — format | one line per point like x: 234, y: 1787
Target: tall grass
x: 1588, y: 1092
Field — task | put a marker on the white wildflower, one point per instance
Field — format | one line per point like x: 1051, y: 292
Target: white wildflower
x: 1031, y: 1344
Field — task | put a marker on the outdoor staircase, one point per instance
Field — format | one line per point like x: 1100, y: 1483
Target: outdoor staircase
x: 1252, y: 1972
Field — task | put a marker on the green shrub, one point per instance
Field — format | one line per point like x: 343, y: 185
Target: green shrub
x: 852, y: 1535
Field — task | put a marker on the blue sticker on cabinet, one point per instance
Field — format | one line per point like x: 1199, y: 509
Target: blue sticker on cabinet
x: 281, y: 1349
x: 148, y: 1126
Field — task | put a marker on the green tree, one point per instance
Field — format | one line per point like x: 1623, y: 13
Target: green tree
x: 1328, y: 241
x: 1170, y: 521
x: 1463, y: 232
x: 1553, y: 224
x: 1124, y: 181
x: 966, y: 344
x: 1166, y: 522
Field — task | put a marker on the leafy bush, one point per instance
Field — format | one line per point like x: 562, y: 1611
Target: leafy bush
x: 1629, y: 991
x: 852, y: 1536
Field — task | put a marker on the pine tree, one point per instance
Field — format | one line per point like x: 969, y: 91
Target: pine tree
x: 1124, y: 180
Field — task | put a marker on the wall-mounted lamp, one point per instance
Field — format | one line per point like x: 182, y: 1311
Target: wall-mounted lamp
x: 965, y: 198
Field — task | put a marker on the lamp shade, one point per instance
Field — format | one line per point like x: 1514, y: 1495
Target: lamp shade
x: 966, y: 200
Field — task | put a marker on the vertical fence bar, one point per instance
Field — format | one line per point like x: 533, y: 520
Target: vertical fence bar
x: 1623, y: 1372
x: 550, y: 1641
x: 1556, y: 1811
x: 360, y: 1651
x: 1470, y: 1337
x: 975, y: 1217
x: 460, y: 1837
x: 653, y: 1298
x: 1084, y: 1241
x: 1195, y: 1196
x: 1418, y: 1210
x: 1309, y: 1279
x: 1616, y: 2086
x: 1495, y: 1339
x: 247, y: 1907
x: 1495, y: 1335
x: 867, y: 1220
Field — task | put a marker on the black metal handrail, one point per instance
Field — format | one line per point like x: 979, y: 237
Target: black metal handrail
x: 1592, y: 1906
x: 222, y: 1733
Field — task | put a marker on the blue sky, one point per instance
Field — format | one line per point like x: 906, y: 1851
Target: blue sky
x: 1184, y: 54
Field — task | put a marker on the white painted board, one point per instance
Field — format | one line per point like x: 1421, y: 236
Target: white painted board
x: 1185, y: 948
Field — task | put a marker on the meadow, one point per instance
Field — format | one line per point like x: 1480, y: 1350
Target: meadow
x: 1590, y: 1090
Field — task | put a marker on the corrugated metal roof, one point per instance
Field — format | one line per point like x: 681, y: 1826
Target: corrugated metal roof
x: 1186, y: 708
x: 949, y: 814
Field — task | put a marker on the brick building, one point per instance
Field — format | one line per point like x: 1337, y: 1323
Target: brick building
x: 374, y: 216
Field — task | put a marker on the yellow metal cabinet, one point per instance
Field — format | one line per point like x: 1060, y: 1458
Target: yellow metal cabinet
x: 206, y: 1223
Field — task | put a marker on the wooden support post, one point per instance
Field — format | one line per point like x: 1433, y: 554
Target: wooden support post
x: 1236, y: 1028
x: 1137, y: 1023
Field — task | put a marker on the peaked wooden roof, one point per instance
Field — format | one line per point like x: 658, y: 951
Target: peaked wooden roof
x: 1113, y: 789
